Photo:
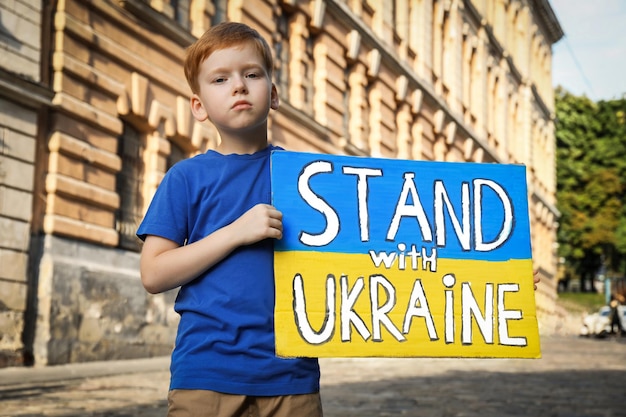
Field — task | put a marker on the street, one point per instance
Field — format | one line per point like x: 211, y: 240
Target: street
x: 575, y: 377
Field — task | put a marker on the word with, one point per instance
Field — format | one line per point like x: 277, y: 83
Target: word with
x: 417, y: 307
x: 429, y: 262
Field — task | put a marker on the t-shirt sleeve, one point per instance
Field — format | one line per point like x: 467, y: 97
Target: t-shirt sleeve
x: 167, y: 214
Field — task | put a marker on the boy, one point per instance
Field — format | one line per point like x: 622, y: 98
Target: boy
x: 210, y: 229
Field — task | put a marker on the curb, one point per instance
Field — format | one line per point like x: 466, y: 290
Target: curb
x: 16, y: 376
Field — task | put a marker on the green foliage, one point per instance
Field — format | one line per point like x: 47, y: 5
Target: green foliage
x: 591, y: 184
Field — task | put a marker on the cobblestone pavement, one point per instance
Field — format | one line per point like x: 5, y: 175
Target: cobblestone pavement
x: 576, y: 377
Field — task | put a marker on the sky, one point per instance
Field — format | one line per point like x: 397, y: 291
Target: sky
x: 590, y: 59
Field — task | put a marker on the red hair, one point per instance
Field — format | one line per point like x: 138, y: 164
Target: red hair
x: 220, y: 36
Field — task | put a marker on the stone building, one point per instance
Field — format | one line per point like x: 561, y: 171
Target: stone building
x: 24, y: 100
x: 97, y: 111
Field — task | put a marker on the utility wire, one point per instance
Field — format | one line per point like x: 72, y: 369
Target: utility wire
x: 577, y: 63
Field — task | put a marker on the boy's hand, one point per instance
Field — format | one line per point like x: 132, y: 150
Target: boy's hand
x: 536, y: 278
x: 260, y: 222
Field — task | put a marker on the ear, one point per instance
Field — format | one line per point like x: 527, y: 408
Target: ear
x: 274, y: 98
x: 197, y: 108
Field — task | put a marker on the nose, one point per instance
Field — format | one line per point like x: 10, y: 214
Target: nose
x: 239, y: 85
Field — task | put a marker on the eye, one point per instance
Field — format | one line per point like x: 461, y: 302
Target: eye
x: 219, y: 80
x: 252, y: 75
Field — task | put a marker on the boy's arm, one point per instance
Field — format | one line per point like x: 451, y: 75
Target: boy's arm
x: 165, y: 265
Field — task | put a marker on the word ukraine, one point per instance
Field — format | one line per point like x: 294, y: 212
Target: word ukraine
x: 402, y: 258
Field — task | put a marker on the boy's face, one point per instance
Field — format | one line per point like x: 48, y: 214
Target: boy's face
x: 236, y: 93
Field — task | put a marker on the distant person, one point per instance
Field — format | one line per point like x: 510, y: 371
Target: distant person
x: 614, y: 316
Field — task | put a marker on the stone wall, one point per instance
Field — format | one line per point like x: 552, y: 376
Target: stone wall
x: 92, y: 306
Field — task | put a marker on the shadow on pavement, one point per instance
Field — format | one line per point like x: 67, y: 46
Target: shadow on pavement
x: 30, y: 390
x: 485, y: 394
x: 459, y: 393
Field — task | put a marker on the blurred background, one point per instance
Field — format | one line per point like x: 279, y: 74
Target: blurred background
x: 94, y: 110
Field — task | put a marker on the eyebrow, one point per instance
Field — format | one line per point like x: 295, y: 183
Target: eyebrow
x: 246, y: 66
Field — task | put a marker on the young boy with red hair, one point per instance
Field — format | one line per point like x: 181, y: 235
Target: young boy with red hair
x: 210, y: 230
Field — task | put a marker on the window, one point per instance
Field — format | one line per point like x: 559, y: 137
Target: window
x: 129, y: 187
x: 181, y: 12
x: 176, y: 154
x: 281, y: 47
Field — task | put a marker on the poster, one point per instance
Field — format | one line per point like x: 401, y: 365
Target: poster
x: 397, y: 258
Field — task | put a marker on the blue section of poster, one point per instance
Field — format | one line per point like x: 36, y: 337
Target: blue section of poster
x: 349, y: 204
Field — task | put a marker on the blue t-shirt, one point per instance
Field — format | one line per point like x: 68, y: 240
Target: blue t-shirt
x: 225, y: 340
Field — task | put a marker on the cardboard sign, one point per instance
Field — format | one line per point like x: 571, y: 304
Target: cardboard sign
x: 384, y: 257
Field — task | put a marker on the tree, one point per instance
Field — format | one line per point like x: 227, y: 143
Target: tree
x: 591, y: 185
x: 612, y: 115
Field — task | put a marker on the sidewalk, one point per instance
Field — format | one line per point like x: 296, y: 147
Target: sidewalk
x: 576, y: 377
x: 15, y: 377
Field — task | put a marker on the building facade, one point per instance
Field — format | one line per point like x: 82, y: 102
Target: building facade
x: 447, y: 80
x: 24, y: 100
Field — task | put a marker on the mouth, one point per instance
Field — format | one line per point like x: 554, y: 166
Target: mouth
x: 241, y: 105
